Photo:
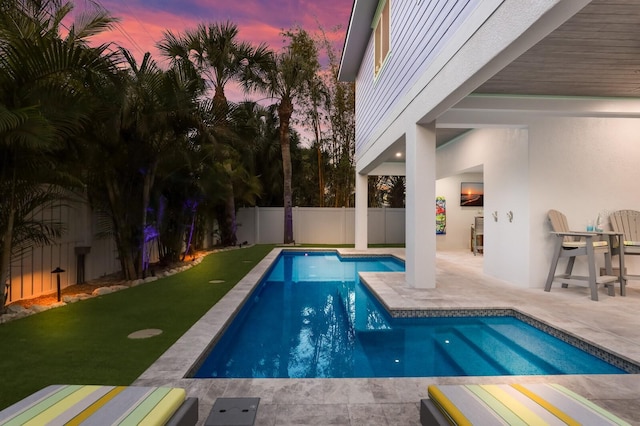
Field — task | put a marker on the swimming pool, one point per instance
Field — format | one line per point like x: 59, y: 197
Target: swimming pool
x: 311, y: 317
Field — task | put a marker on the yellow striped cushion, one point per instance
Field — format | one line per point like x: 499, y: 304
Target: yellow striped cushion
x: 518, y: 404
x: 113, y: 405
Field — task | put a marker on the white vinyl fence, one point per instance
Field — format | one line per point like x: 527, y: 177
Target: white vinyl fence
x: 81, y: 256
x: 319, y: 225
x: 84, y: 257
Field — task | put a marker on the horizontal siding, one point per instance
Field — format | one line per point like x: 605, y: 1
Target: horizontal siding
x: 419, y: 31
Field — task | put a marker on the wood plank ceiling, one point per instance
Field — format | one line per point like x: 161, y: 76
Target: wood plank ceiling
x: 595, y: 53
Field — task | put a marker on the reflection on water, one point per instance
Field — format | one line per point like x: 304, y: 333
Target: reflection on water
x: 313, y: 337
x: 311, y: 317
x: 302, y: 322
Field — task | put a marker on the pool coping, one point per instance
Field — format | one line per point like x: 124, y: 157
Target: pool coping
x: 183, y: 357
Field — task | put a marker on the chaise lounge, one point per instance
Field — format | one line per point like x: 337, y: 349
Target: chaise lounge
x: 522, y: 404
x: 103, y: 405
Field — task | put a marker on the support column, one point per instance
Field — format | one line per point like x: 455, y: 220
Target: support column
x: 362, y: 197
x: 420, y: 214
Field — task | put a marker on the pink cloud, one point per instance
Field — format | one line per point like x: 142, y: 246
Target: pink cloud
x: 143, y: 22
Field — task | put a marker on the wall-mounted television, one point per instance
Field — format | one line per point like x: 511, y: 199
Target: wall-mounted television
x: 472, y: 194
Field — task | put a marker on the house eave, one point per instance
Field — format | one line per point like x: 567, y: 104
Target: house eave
x: 357, y: 38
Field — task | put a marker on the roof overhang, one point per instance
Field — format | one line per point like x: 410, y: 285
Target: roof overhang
x: 357, y: 38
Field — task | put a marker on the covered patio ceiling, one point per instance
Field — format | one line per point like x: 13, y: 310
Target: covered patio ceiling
x: 596, y: 53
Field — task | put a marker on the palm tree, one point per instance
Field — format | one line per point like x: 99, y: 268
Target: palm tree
x: 146, y: 118
x: 286, y: 78
x: 220, y: 58
x: 43, y: 104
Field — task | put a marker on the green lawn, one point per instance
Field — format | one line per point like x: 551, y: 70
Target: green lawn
x: 86, y: 342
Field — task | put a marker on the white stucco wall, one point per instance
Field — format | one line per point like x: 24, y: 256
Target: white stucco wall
x: 580, y: 166
x: 503, y: 153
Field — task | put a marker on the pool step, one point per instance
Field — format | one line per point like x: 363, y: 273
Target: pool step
x: 466, y: 355
x: 493, y: 346
x: 505, y: 351
x: 537, y: 351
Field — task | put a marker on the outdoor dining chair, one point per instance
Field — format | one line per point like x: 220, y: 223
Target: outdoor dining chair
x: 626, y: 222
x: 478, y: 235
x: 572, y: 244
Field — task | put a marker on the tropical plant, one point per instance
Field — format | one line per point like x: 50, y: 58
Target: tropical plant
x: 146, y: 119
x: 43, y: 106
x: 216, y: 53
x: 287, y: 78
x: 339, y: 106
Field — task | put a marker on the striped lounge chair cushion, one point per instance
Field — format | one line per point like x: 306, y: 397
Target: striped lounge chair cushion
x: 95, y: 405
x: 517, y: 404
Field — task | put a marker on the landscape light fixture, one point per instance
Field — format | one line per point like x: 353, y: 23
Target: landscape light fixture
x: 57, y: 271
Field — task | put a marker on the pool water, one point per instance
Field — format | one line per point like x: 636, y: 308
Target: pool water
x: 312, y: 318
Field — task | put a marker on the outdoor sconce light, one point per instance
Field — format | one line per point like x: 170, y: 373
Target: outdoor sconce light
x: 57, y: 271
x: 510, y: 215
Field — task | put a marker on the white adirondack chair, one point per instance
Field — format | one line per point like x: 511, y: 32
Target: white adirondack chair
x: 627, y: 222
x: 571, y: 244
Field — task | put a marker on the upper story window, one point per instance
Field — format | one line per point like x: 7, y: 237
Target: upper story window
x: 381, y: 25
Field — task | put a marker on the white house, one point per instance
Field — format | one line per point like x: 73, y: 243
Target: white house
x: 542, y: 97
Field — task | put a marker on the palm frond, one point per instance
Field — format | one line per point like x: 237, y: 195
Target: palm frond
x: 25, y: 128
x: 88, y: 24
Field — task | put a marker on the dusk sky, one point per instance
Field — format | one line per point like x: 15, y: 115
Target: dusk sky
x: 142, y: 22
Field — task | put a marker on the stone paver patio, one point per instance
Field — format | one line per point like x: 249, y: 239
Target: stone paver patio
x: 612, y: 323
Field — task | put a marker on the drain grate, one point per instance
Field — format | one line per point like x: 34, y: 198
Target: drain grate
x: 233, y: 412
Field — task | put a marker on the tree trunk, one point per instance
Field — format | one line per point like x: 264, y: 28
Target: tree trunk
x: 230, y: 216
x: 285, y: 109
x: 122, y: 233
x: 190, y: 237
x: 149, y: 177
x: 228, y: 226
x: 317, y: 134
x: 220, y: 107
x: 320, y: 177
